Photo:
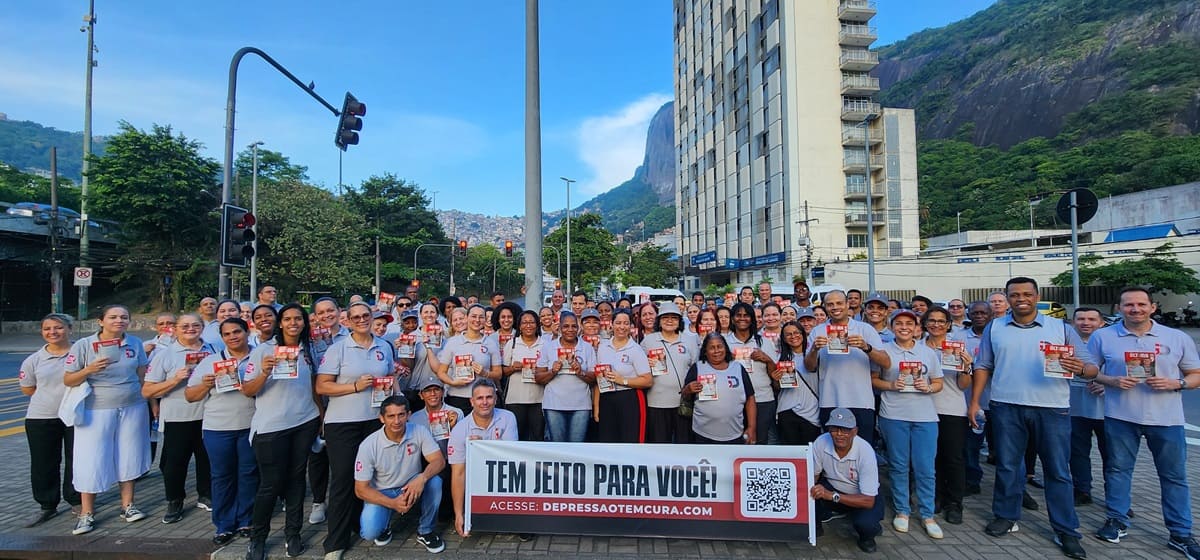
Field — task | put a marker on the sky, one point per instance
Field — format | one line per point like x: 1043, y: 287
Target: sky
x: 443, y: 82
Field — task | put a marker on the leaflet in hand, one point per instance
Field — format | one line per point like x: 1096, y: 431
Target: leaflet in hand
x: 110, y: 349
x: 1139, y: 365
x: 703, y: 330
x: 193, y: 359
x: 565, y: 357
x: 603, y: 383
x: 285, y: 362
x: 385, y: 301
x: 592, y: 339
x: 1052, y: 364
x: 839, y: 339
x: 909, y: 372
x: 788, y: 379
x: 406, y: 345
x: 708, y: 387
x: 950, y: 358
x: 463, y: 369
x: 320, y: 334
x: 528, y: 366
x: 381, y: 389
x: 658, y: 361
x: 433, y: 335
x: 742, y: 356
x: 226, y: 373
x: 440, y: 423
x: 773, y: 337
x: 605, y: 329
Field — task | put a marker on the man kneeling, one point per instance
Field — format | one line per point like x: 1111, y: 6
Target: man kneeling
x: 388, y: 476
x: 847, y: 478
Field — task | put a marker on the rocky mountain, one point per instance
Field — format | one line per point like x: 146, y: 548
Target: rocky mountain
x: 1028, y: 68
x: 26, y: 145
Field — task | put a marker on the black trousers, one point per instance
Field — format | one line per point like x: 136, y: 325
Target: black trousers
x: 344, y: 507
x: 950, y: 465
x: 461, y: 403
x: 665, y: 425
x: 181, y: 442
x: 318, y: 473
x: 795, y: 430
x: 50, y: 441
x: 622, y: 417
x: 531, y: 423
x: 282, y: 459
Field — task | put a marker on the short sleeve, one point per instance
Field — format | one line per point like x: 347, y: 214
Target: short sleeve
x: 78, y: 354
x: 331, y: 361
x: 255, y: 362
x: 142, y: 359
x: 28, y: 372
x: 364, y: 462
x: 493, y: 351
x: 510, y: 428
x: 985, y: 359
x: 868, y: 471
x: 544, y: 358
x: 158, y: 366
x: 456, y: 448
x: 428, y: 445
x: 641, y: 365
x: 747, y: 385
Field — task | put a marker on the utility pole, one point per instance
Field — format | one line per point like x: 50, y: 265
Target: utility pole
x: 533, y: 161
x: 807, y: 242
x: 89, y: 28
x: 55, y: 270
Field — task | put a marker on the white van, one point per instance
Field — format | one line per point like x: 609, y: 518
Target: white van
x: 639, y: 294
x: 817, y: 292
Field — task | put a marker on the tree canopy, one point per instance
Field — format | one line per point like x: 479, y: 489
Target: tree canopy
x: 1158, y: 270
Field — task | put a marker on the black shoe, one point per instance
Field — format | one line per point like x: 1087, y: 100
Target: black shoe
x: 954, y: 515
x: 1070, y: 546
x: 820, y: 529
x: 1035, y: 482
x: 1129, y: 513
x: 384, y: 538
x: 972, y: 490
x: 831, y: 514
x: 1028, y: 502
x: 43, y: 516
x: 222, y: 539
x: 1000, y: 527
x: 525, y: 537
x: 256, y: 550
x: 295, y: 546
x: 1186, y: 545
x: 174, y: 511
x: 1082, y: 498
x: 1112, y: 531
x: 245, y: 532
x: 432, y: 542
x: 867, y: 544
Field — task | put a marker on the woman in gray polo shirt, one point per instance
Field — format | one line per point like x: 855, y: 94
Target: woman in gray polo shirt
x: 679, y: 349
x: 41, y: 379
x: 226, y: 431
x: 724, y: 411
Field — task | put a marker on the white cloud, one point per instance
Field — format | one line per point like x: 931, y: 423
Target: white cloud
x: 613, y: 145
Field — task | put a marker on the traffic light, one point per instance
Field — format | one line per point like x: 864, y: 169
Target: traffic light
x: 462, y: 247
x: 349, y: 122
x: 237, y: 236
x: 508, y: 248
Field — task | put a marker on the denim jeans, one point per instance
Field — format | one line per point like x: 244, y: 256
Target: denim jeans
x: 567, y: 425
x: 234, y: 478
x: 1081, y: 451
x: 1169, y: 449
x: 375, y: 519
x: 1015, y: 426
x: 911, y: 446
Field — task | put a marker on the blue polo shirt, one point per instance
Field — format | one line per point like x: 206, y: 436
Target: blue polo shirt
x: 1175, y: 353
x: 1012, y: 352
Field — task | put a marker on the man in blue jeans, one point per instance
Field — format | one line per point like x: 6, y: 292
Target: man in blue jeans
x: 388, y: 476
x: 1030, y: 404
x: 1145, y: 367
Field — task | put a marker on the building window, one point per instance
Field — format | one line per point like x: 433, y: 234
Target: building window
x: 771, y: 64
x: 856, y: 241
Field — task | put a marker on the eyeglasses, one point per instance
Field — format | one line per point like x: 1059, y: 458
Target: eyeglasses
x: 956, y: 306
x: 936, y: 322
x: 360, y: 318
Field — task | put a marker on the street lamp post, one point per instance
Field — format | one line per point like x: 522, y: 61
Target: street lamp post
x: 568, y: 182
x: 558, y: 257
x: 958, y: 218
x: 254, y: 211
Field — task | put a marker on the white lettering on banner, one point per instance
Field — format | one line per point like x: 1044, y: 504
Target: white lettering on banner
x: 564, y: 485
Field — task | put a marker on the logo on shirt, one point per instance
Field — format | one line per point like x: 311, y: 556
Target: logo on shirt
x: 129, y: 353
x: 70, y: 359
x: 1160, y: 349
x: 249, y: 369
x: 497, y: 433
x: 378, y: 356
x: 853, y: 474
x: 21, y: 375
x: 409, y: 449
x: 624, y: 359
x: 734, y: 381
x: 449, y: 450
x: 681, y: 349
x: 482, y: 349
x: 358, y: 466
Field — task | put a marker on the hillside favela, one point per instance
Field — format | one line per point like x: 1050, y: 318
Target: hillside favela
x: 712, y: 279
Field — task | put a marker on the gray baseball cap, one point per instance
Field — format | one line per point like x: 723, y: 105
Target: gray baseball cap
x: 841, y: 418
x: 877, y: 298
x: 669, y: 308
x: 432, y: 381
x: 805, y: 312
x: 589, y: 314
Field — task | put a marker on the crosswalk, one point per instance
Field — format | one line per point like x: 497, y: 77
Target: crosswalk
x: 1192, y: 428
x: 12, y: 408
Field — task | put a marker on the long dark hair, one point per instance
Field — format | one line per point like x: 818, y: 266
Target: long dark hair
x: 305, y: 332
x: 785, y: 350
x: 516, y: 313
x: 537, y: 323
x: 704, y: 346
x: 733, y: 311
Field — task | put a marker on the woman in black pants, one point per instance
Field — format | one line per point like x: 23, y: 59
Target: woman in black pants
x: 49, y: 439
x: 283, y: 428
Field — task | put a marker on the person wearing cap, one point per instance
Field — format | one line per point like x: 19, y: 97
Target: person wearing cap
x: 432, y: 393
x: 567, y: 401
x: 801, y: 296
x: 680, y: 351
x: 524, y: 395
x: 846, y: 377
x: 875, y: 313
x: 909, y: 421
x: 388, y: 476
x: 416, y: 367
x: 589, y: 328
x: 807, y: 320
x: 379, y: 323
x: 1028, y: 406
x: 847, y: 478
x: 484, y: 422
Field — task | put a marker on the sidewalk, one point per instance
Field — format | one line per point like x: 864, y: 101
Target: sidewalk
x: 190, y: 538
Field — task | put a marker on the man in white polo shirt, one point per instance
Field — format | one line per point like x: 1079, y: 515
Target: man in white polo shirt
x: 388, y: 476
x: 847, y: 478
x: 484, y: 422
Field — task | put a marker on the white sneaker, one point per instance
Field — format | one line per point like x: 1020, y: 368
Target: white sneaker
x: 85, y: 524
x: 933, y: 529
x: 317, y: 515
x: 900, y: 523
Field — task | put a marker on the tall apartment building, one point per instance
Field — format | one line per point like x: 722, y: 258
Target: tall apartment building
x: 774, y: 122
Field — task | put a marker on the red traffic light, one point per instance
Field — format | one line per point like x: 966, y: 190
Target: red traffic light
x: 356, y: 107
x: 247, y: 221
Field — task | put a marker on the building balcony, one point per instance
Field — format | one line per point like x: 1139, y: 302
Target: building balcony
x: 858, y: 164
x: 854, y: 136
x: 859, y: 61
x: 859, y: 219
x: 856, y: 10
x: 858, y: 191
x: 857, y: 35
x: 856, y: 111
x: 860, y: 85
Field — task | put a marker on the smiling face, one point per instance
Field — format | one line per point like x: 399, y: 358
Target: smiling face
x: 188, y: 329
x: 621, y: 325
x: 714, y: 351
x: 55, y: 331
x: 234, y: 337
x: 228, y: 310
x: 326, y: 314
x: 1022, y: 299
x: 1136, y: 308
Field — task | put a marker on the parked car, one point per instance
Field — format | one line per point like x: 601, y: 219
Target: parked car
x: 1052, y: 309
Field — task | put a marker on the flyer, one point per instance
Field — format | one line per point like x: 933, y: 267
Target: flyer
x: 440, y: 423
x: 565, y: 357
x: 658, y: 361
x: 528, y: 366
x: 433, y: 335
x: 605, y: 329
x: 742, y: 356
x: 193, y: 359
x: 909, y: 372
x: 381, y: 389
x: 605, y: 384
x: 839, y: 339
x: 285, y: 362
x: 1052, y: 366
x: 708, y: 387
x: 592, y: 339
x: 463, y: 369
x: 950, y: 357
x: 406, y: 346
x: 226, y: 373
x: 110, y: 349
x: 788, y: 378
x: 385, y: 301
x: 1140, y: 365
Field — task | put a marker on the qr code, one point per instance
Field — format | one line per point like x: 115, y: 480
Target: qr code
x: 768, y: 489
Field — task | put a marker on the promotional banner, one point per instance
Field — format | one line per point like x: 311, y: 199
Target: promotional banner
x: 743, y: 492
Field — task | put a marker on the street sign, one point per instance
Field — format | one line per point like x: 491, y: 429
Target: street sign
x: 1085, y: 206
x: 83, y: 276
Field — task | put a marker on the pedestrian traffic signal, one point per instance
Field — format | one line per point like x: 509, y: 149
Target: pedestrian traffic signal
x: 237, y: 236
x: 349, y: 122
x: 462, y: 248
x: 508, y: 248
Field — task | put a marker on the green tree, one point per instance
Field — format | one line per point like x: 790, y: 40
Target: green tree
x: 594, y: 252
x: 154, y: 185
x: 651, y: 266
x: 398, y: 213
x: 1158, y: 270
x: 474, y: 274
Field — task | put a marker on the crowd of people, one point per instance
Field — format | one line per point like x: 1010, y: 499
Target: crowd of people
x: 368, y: 406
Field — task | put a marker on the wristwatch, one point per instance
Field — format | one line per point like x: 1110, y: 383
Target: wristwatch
x: 869, y: 349
x: 836, y: 498
x: 1182, y: 386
